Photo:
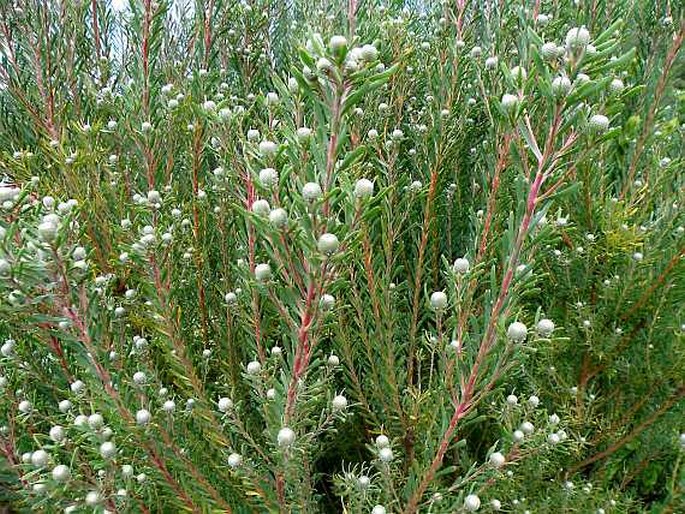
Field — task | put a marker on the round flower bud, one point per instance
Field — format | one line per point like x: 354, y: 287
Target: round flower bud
x: 517, y: 331
x: 285, y: 437
x: 496, y: 504
x: 328, y: 244
x: 364, y: 482
x: 472, y: 503
x: 268, y: 148
x: 438, y: 301
x: 47, y: 231
x: 278, y: 217
x: 40, y: 458
x: 92, y: 498
x: 108, y: 449
x: 518, y: 74
x: 461, y: 265
x: 268, y: 177
x: 378, y: 509
x: 95, y: 421
x: 491, y: 63
x: 61, y: 473
x: 518, y: 436
x: 252, y: 135
x: 598, y: 123
x: 363, y: 188
x: 527, y: 427
x: 271, y: 394
x: 369, y: 53
x: 333, y: 361
x: 235, y: 460
x: 545, y: 327
x: 554, y: 419
x: 261, y: 207
x: 385, y: 454
x: 25, y: 407
x: 382, y: 441
x: 497, y: 460
x: 169, y: 406
x: 253, y: 368
x: 337, y: 43
x: 139, y: 378
x: 561, y: 86
x: 311, y: 191
x: 77, y: 387
x: 262, y: 272
x: 577, y: 38
x: 512, y: 400
x: 327, y: 302
x: 225, y: 404
x: 509, y: 102
x: 143, y: 417
x: 304, y: 133
x: 372, y: 134
x: 209, y: 106
x: 553, y: 438
x: 533, y: 401
x: 339, y: 403
x: 616, y: 86
x: 549, y: 51
x: 271, y: 98
x: 127, y: 471
x: 57, y: 433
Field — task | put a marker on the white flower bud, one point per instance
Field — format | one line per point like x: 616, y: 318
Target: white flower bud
x: 333, y: 361
x: 261, y: 207
x: 61, y: 473
x: 518, y: 74
x: 385, y: 454
x: 561, y: 86
x: 285, y: 437
x: 225, y: 404
x: 268, y: 148
x: 235, y: 460
x: 472, y: 503
x: 268, y: 177
x: 108, y: 449
x: 339, y: 403
x: 363, y: 188
x: 169, y: 406
x: 533, y: 401
x: 57, y: 433
x: 438, y: 300
x: 545, y: 327
x: 337, y: 43
x: 461, y: 265
x: 577, y: 38
x: 253, y: 368
x: 553, y: 438
x: 139, y: 378
x: 262, y: 272
x: 549, y: 51
x: 92, y: 498
x: 95, y: 421
x: 378, y: 509
x: 497, y: 460
x: 518, y: 436
x: 598, y: 123
x: 143, y: 417
x: 311, y: 191
x: 509, y: 102
x: 527, y: 427
x: 491, y: 63
x: 40, y: 458
x: 328, y: 243
x: 278, y: 217
x: 382, y: 441
x: 517, y: 331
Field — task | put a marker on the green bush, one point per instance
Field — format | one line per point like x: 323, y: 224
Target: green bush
x: 342, y: 256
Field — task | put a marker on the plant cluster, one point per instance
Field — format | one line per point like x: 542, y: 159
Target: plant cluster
x: 342, y: 256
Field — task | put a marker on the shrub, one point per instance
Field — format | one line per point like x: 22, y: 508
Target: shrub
x: 302, y: 256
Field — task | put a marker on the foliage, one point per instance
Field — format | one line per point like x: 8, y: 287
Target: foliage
x: 322, y: 256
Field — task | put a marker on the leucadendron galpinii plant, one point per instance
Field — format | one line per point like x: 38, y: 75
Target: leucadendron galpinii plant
x: 341, y: 257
